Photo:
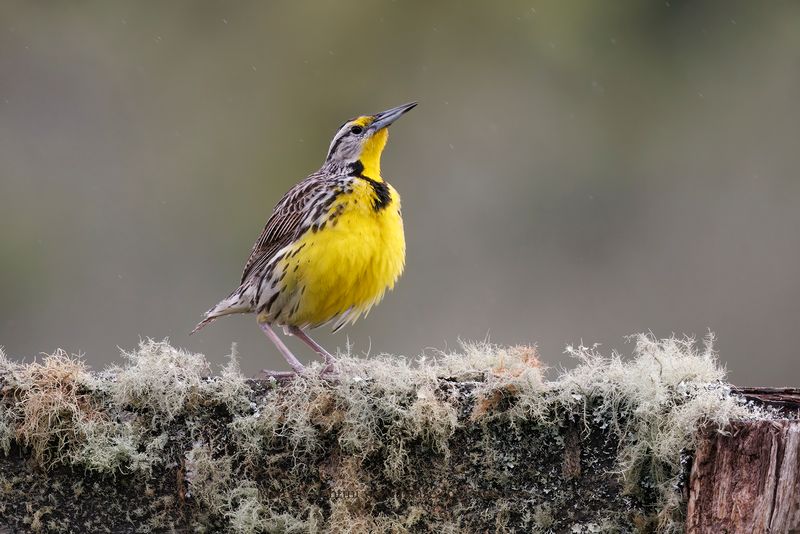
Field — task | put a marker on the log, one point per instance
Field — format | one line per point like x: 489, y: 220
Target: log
x: 785, y: 400
x: 475, y: 442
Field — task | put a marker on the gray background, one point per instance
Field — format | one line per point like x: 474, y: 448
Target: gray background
x: 574, y: 171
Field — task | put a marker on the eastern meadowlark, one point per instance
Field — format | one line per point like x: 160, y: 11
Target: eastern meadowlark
x: 331, y: 248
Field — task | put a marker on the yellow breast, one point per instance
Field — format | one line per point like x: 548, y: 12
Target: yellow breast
x: 341, y: 270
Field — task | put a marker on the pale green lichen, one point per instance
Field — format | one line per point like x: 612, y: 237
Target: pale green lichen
x: 209, y: 477
x: 257, y: 457
x: 159, y: 379
x: 248, y: 514
x: 120, y: 447
x: 542, y: 518
x: 230, y: 386
x: 656, y: 401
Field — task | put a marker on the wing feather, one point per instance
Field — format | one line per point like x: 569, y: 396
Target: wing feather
x: 286, y: 223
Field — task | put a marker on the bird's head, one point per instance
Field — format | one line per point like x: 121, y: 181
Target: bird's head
x: 362, y: 139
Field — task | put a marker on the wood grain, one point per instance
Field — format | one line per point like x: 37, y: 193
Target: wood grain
x: 747, y: 481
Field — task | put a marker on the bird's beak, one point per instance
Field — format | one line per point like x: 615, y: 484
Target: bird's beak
x: 385, y: 118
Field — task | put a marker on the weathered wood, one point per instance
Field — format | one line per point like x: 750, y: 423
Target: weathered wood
x: 747, y: 481
x: 787, y: 400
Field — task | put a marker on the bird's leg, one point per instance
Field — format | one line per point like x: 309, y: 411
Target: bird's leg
x: 305, y: 338
x: 287, y: 354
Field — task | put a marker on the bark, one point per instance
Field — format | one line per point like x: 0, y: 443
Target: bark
x: 748, y: 480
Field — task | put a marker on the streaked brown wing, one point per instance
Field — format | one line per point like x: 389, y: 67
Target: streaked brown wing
x: 286, y: 222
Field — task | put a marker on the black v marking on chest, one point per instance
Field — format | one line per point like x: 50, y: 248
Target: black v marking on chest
x: 383, y: 196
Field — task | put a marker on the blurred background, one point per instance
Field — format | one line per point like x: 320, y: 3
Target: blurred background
x: 575, y: 171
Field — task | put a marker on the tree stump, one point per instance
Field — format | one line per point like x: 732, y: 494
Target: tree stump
x: 747, y: 481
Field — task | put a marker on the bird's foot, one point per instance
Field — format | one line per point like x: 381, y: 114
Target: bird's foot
x: 329, y: 370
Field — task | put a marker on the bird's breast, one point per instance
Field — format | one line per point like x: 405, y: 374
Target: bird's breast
x: 353, y: 256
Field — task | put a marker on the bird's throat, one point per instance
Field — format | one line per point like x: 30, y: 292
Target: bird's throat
x: 371, y: 154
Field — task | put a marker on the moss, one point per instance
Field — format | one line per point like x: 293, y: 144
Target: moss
x: 476, y: 440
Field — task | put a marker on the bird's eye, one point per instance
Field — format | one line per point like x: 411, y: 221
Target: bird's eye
x: 356, y: 130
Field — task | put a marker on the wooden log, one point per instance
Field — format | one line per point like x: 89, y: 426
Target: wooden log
x: 746, y: 481
x: 160, y: 446
x: 785, y: 400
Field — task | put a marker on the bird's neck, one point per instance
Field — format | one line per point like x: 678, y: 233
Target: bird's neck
x: 368, y: 162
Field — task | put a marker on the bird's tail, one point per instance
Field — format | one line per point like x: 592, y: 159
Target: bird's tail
x: 232, y: 304
x: 202, y: 323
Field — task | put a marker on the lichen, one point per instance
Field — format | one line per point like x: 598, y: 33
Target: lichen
x: 462, y: 441
x: 655, y: 403
x: 209, y: 477
x: 159, y: 379
x: 55, y: 409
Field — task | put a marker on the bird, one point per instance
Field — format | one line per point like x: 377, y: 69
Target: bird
x: 331, y: 248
